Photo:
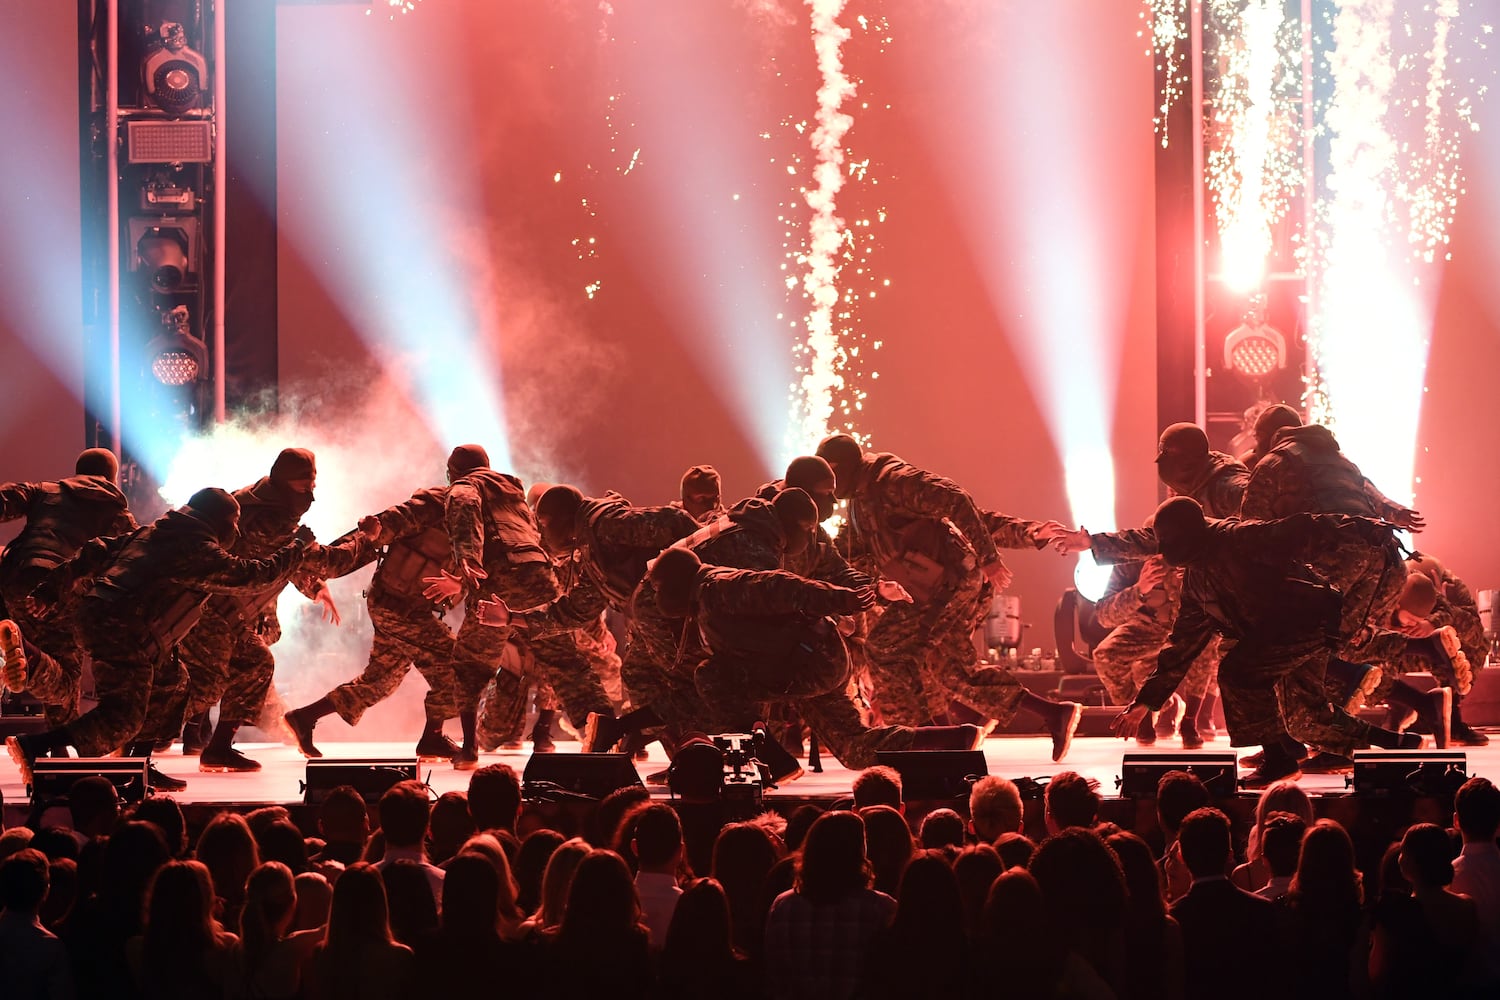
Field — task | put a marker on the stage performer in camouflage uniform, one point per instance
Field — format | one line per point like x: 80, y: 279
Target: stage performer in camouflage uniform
x: 227, y: 655
x: 924, y: 532
x: 1250, y: 582
x: 600, y: 547
x: 145, y: 591
x: 773, y: 636
x: 1188, y: 467
x: 1138, y: 607
x: 1454, y: 607
x: 701, y: 494
x: 498, y: 554
x: 42, y: 655
x: 409, y: 629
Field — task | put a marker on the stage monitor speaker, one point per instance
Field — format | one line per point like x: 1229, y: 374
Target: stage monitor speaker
x: 577, y: 775
x: 369, y: 776
x: 935, y: 774
x: 1141, y: 772
x: 1400, y: 773
x: 52, y: 777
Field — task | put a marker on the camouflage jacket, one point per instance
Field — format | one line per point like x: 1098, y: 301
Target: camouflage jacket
x: 821, y: 560
x: 414, y: 535
x: 742, y: 611
x: 490, y: 524
x: 1122, y: 601
x: 1219, y: 491
x: 269, y: 516
x: 153, y: 582
x: 60, y: 518
x: 899, y: 508
x: 1253, y: 583
x: 613, y: 544
x: 1305, y: 473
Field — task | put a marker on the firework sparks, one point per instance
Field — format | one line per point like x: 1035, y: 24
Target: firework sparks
x: 827, y: 234
x: 393, y: 7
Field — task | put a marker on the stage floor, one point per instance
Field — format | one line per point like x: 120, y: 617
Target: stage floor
x: 283, y: 768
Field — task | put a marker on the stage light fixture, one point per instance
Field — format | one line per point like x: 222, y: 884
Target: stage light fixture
x: 174, y: 73
x: 163, y: 252
x: 177, y: 356
x: 1255, y: 349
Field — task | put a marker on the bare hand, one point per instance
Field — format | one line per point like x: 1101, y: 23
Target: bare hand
x: 330, y: 610
x: 494, y: 613
x: 1071, y: 542
x: 1418, y: 629
x: 1153, y: 574
x: 893, y: 592
x: 1408, y: 519
x: 369, y: 526
x: 1128, y: 722
x: 442, y: 588
x: 471, y: 574
x: 998, y: 573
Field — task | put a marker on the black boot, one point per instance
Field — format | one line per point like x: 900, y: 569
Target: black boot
x: 1207, y: 728
x: 221, y: 756
x: 195, y: 734
x: 1061, y: 717
x: 27, y: 747
x: 467, y: 758
x: 301, y: 722
x: 434, y: 745
x: 1188, y: 727
x: 1145, y: 733
x: 1461, y: 732
x: 1276, y: 764
x: 1435, y: 708
x: 541, y: 732
x: 780, y: 765
x: 156, y: 779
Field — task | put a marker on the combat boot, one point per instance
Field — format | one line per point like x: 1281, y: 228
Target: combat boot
x: 600, y: 733
x: 302, y: 731
x: 219, y: 755
x: 195, y: 734
x: 434, y: 745
x: 1461, y: 732
x: 965, y: 737
x: 541, y: 733
x: 1061, y: 726
x: 1277, y: 764
x: 157, y: 779
x: 467, y: 758
x: 780, y: 765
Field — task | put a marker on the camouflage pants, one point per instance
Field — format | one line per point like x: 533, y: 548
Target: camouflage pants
x: 478, y: 649
x: 734, y: 687
x: 922, y: 656
x: 54, y: 665
x: 403, y: 638
x: 1370, y: 578
x: 128, y: 680
x: 1269, y: 690
x: 1127, y: 656
x: 661, y: 657
x: 1397, y: 654
x: 230, y: 663
x: 501, y: 720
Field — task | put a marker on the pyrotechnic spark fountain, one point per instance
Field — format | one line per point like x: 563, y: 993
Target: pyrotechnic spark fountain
x: 825, y: 356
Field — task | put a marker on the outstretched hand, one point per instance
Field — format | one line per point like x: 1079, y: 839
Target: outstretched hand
x: 442, y: 588
x: 1063, y: 539
x: 1409, y: 520
x: 369, y: 526
x: 330, y: 610
x: 998, y: 573
x: 1128, y: 722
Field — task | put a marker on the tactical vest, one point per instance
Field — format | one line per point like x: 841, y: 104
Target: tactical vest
x: 408, y: 561
x: 615, y: 571
x: 61, y: 520
x: 510, y: 533
x: 132, y: 587
x: 1330, y: 484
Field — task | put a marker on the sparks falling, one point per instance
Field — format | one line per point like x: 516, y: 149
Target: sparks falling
x: 821, y: 374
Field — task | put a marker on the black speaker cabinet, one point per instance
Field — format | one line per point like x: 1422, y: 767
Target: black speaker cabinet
x: 51, y: 777
x: 935, y: 774
x: 1410, y: 773
x: 577, y: 775
x: 1140, y: 772
x: 370, y: 776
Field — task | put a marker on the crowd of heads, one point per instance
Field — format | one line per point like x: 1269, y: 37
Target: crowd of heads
x: 878, y: 898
